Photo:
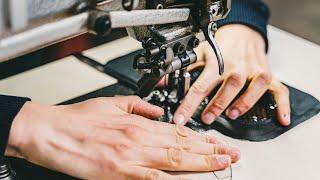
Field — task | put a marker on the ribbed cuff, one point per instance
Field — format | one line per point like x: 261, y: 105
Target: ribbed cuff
x: 252, y: 13
x: 9, y: 108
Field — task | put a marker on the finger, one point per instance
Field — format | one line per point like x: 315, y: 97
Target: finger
x: 135, y: 105
x: 229, y: 90
x: 196, y: 94
x: 157, y: 127
x: 282, y: 97
x: 163, y: 82
x: 161, y: 128
x: 197, y: 65
x: 138, y: 173
x: 248, y: 99
x: 179, y: 160
x: 131, y: 123
x: 190, y: 145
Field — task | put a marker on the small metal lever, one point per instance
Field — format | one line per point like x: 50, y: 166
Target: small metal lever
x: 209, y: 35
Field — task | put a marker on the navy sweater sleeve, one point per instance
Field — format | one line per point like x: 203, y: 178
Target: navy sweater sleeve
x: 252, y: 13
x: 9, y: 108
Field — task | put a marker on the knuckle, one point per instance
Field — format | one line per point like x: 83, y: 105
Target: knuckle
x: 103, y: 162
x: 209, y: 164
x: 153, y: 175
x: 265, y: 78
x: 219, y: 105
x: 236, y: 80
x: 187, y: 131
x: 122, y: 148
x: 243, y: 105
x: 182, y: 131
x: 133, y: 131
x: 174, y: 158
x: 184, y: 143
x: 186, y: 107
x: 199, y: 88
x: 215, y: 149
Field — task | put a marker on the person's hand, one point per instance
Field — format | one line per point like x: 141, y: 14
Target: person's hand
x: 245, y: 59
x: 107, y: 138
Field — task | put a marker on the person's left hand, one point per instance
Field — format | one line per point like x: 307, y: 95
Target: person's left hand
x: 245, y: 61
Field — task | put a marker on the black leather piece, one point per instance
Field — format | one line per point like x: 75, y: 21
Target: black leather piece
x: 303, y: 107
x: 124, y: 71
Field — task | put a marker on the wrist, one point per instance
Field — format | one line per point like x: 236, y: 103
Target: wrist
x: 16, y: 135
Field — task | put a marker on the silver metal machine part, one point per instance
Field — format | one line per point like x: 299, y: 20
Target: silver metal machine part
x: 148, y: 17
x: 46, y: 22
x: 41, y: 36
x: 212, y: 28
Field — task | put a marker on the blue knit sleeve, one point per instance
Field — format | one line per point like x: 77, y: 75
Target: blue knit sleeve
x: 252, y: 13
x: 9, y: 108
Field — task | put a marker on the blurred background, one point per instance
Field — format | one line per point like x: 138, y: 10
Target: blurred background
x: 300, y: 17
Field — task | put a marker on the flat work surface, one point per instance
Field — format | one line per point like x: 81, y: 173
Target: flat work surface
x: 56, y: 82
x: 293, y: 155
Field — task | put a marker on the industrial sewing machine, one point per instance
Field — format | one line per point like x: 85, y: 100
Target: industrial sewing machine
x: 169, y: 31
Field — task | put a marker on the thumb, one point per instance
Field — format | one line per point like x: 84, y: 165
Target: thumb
x: 135, y: 105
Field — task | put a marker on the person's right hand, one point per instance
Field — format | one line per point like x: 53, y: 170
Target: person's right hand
x: 110, y: 138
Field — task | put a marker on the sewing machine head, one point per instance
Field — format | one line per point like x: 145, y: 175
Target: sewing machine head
x: 27, y: 25
x: 169, y: 48
x: 168, y: 29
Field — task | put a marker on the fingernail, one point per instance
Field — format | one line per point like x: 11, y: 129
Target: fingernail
x: 287, y: 119
x: 208, y: 118
x: 233, y: 114
x: 179, y: 119
x: 235, y: 154
x: 224, y: 160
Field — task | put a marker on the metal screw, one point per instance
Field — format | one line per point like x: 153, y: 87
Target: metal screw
x: 179, y: 48
x: 194, y: 42
x: 103, y: 25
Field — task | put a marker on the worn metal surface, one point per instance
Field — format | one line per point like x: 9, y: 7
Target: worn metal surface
x: 148, y: 17
x: 42, y: 8
x: 45, y: 22
x: 32, y: 39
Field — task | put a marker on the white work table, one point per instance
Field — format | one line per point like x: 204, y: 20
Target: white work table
x: 295, y: 61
